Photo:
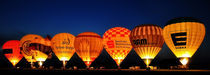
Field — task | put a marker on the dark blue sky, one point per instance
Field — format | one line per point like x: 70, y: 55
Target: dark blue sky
x: 76, y: 16
x: 42, y: 17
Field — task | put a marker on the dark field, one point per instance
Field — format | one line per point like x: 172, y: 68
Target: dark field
x: 107, y: 71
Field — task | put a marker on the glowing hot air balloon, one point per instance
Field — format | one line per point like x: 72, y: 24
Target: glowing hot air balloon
x: 63, y: 46
x: 26, y: 49
x: 88, y: 46
x: 147, y: 41
x: 11, y: 50
x: 35, y: 48
x: 183, y: 36
x: 41, y: 49
x: 117, y: 43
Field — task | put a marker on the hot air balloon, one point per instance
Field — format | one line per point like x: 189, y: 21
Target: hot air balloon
x: 183, y: 36
x: 147, y: 41
x: 35, y: 48
x: 41, y: 49
x: 11, y: 50
x: 26, y: 50
x: 88, y: 46
x: 63, y: 46
x: 117, y: 43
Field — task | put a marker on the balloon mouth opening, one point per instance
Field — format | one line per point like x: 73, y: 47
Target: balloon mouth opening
x: 88, y: 63
x: 14, y: 62
x: 41, y: 59
x: 63, y: 59
x: 184, y: 60
x: 40, y: 63
x: 118, y: 61
x: 147, y: 61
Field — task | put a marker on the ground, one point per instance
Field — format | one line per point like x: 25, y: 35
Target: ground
x: 107, y: 71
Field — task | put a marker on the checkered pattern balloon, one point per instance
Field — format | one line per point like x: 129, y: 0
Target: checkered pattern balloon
x: 117, y: 43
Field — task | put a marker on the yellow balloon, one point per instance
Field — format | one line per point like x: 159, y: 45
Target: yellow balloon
x: 184, y: 36
x: 63, y: 46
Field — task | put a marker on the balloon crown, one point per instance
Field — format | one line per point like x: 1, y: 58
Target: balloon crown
x: 183, y: 19
x: 141, y: 25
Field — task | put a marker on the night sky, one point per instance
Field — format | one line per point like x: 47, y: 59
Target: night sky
x: 50, y: 17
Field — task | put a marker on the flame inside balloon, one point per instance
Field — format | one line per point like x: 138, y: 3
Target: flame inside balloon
x: 184, y: 61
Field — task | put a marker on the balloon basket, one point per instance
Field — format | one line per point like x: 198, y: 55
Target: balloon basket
x: 118, y: 68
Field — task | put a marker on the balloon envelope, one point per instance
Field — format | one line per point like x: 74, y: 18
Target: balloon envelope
x: 63, y: 46
x: 41, y: 49
x: 183, y: 36
x: 35, y: 48
x: 147, y: 41
x: 88, y: 46
x: 11, y: 50
x: 117, y: 43
x: 26, y: 49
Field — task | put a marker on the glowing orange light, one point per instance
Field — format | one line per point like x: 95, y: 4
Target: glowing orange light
x: 40, y: 63
x: 147, y: 41
x: 183, y: 36
x: 184, y: 61
x: 14, y: 62
x: 117, y: 43
x: 147, y: 61
x: 11, y: 50
x: 35, y: 48
x: 25, y: 43
x: 63, y: 46
x: 88, y: 46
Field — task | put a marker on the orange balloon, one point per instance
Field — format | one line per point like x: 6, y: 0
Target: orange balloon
x: 63, y: 46
x: 26, y: 48
x: 147, y: 41
x: 11, y: 51
x: 117, y: 43
x: 88, y: 46
x: 35, y: 48
x: 41, y: 49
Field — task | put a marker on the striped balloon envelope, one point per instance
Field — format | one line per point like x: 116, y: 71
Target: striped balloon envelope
x: 147, y: 41
x: 88, y: 46
x: 11, y: 50
x: 117, y: 43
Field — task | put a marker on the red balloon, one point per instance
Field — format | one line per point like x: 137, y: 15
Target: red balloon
x: 11, y: 50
